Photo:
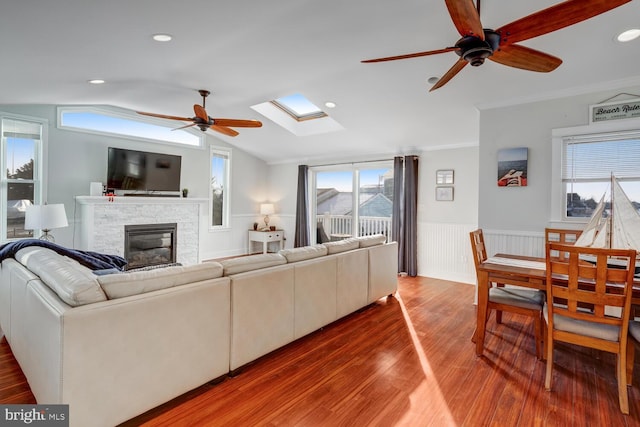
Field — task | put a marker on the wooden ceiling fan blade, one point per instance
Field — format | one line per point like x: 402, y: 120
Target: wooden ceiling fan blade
x: 465, y: 17
x: 201, y: 112
x: 554, y: 18
x: 186, y: 126
x: 224, y: 130
x: 525, y: 58
x: 238, y: 123
x: 459, y: 65
x: 411, y: 55
x: 164, y: 116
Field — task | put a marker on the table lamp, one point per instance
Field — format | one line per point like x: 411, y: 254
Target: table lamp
x: 266, y: 209
x: 45, y: 218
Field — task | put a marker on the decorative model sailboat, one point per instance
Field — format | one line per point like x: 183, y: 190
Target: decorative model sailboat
x: 620, y: 230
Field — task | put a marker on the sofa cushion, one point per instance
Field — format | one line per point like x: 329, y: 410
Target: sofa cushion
x: 251, y: 262
x: 342, y: 245
x: 139, y: 282
x: 367, y: 241
x: 73, y: 283
x: 303, y: 253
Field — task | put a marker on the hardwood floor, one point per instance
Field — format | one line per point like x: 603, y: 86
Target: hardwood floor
x: 405, y: 361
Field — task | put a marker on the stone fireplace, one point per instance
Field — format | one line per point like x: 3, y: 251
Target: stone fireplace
x: 102, y: 222
x: 150, y: 244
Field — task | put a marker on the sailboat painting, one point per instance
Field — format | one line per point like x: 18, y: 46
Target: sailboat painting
x: 619, y: 230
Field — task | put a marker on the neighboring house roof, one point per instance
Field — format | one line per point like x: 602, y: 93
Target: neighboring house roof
x: 378, y: 205
x: 341, y: 203
x: 322, y: 194
x: 338, y: 203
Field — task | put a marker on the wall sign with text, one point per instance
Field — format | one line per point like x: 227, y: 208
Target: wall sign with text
x: 628, y: 109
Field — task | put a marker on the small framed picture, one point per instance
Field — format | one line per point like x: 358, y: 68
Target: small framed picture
x: 444, y: 194
x: 444, y: 176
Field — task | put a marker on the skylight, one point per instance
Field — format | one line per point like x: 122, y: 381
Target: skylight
x: 299, y: 107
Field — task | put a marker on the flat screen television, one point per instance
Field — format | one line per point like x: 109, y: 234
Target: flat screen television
x: 143, y: 171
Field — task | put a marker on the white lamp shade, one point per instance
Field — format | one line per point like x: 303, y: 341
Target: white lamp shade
x: 45, y: 217
x: 266, y: 209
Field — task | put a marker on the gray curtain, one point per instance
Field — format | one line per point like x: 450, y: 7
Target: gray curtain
x: 398, y: 211
x: 410, y: 222
x: 302, y: 206
x: 404, y: 223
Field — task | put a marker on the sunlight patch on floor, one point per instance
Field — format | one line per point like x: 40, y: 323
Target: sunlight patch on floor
x: 427, y: 402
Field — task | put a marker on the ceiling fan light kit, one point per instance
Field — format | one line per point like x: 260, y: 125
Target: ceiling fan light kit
x: 478, y: 43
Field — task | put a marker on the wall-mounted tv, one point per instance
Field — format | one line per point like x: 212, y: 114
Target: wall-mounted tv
x: 143, y: 171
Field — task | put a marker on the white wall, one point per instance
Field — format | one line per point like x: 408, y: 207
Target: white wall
x: 75, y: 159
x: 443, y: 227
x: 283, y: 189
x: 514, y: 218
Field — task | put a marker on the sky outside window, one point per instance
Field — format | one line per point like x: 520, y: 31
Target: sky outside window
x: 299, y: 107
x: 110, y: 124
x: 342, y: 180
x: 19, y: 153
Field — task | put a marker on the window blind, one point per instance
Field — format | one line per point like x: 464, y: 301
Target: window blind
x: 595, y: 158
x: 21, y: 129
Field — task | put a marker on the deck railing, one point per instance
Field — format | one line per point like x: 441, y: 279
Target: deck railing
x: 340, y: 226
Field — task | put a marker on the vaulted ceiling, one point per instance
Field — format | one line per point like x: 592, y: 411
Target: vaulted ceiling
x: 249, y: 51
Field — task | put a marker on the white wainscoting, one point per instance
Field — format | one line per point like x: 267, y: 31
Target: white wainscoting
x: 444, y: 250
x: 526, y: 243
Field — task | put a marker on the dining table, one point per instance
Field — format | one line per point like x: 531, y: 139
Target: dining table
x: 507, y: 269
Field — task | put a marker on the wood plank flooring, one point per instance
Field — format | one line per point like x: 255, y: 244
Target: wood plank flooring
x: 404, y: 361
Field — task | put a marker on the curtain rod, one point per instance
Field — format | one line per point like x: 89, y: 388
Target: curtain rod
x: 354, y: 163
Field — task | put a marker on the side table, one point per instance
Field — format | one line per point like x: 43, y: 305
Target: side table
x: 265, y: 237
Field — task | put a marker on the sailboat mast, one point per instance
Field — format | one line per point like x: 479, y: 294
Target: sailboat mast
x: 611, y: 213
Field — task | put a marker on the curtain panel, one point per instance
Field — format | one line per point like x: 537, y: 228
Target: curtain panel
x: 405, y: 213
x: 302, y: 237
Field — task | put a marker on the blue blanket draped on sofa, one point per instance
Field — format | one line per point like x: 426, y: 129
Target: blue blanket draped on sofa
x: 91, y: 260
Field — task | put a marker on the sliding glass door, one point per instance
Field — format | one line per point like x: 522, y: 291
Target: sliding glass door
x: 352, y: 200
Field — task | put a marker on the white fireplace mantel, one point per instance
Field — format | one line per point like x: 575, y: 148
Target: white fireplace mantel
x: 102, y: 221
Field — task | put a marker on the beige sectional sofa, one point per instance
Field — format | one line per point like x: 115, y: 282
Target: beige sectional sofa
x: 115, y: 346
x: 302, y: 290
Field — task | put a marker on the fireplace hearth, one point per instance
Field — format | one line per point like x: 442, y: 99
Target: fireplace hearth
x: 150, y: 244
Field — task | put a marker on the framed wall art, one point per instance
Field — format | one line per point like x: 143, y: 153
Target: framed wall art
x: 444, y: 194
x: 444, y: 176
x: 512, y: 167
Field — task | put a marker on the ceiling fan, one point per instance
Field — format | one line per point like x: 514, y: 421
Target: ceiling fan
x: 478, y: 43
x: 204, y: 121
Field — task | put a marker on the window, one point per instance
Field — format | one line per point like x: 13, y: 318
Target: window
x: 21, y: 171
x: 299, y: 107
x: 353, y: 201
x: 220, y: 185
x: 119, y: 122
x: 588, y: 161
x: 298, y: 115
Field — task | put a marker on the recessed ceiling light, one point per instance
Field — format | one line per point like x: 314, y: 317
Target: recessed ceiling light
x: 627, y: 36
x: 330, y: 104
x: 96, y: 81
x: 433, y: 80
x: 162, y: 37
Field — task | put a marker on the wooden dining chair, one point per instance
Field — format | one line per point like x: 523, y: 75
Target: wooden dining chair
x: 528, y: 302
x: 589, y: 277
x: 561, y: 235
x: 634, y: 340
